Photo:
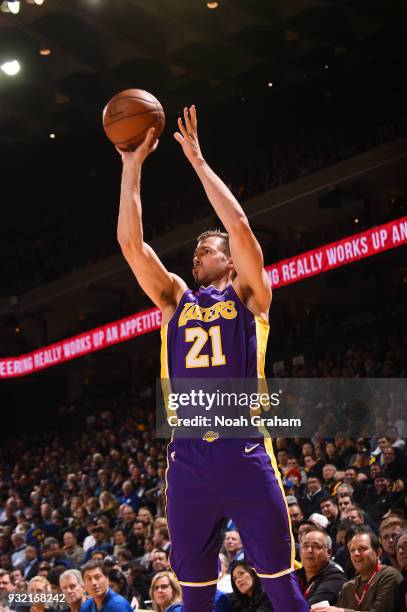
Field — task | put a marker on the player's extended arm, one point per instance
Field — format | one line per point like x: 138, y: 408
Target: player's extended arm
x: 162, y: 287
x: 245, y: 250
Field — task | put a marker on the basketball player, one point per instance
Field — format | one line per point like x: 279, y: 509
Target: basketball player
x: 214, y: 477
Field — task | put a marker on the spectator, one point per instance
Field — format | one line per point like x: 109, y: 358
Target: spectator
x: 53, y: 553
x: 400, y: 546
x: 344, y: 503
x: 30, y: 565
x: 394, y: 462
x: 138, y: 581
x: 18, y: 579
x: 161, y: 539
x: 39, y: 586
x: 333, y: 457
x: 232, y: 546
x: 129, y: 497
x: 101, y: 545
x: 310, y: 503
x: 165, y: 592
x: 119, y: 540
x: 96, y: 581
x: 356, y: 515
x: 329, y: 508
x: 72, y: 586
x: 18, y: 551
x: 107, y: 502
x: 329, y: 481
x: 119, y: 584
x: 320, y: 578
x: 44, y: 569
x: 6, y: 586
x: 124, y: 557
x: 73, y: 552
x: 144, y: 514
x: 375, y: 587
x: 389, y: 529
x: 159, y: 561
x: 224, y: 579
x: 380, y: 500
x: 127, y: 516
x: 248, y: 593
x: 296, y: 516
x: 146, y: 559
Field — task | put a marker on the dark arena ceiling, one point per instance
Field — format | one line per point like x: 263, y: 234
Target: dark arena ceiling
x: 182, y: 51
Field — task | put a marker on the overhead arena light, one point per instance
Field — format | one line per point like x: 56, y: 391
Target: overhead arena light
x: 11, y: 68
x: 14, y: 6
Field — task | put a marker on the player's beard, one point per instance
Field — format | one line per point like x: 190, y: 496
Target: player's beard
x: 202, y: 278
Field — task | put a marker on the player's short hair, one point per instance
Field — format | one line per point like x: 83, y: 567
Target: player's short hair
x: 216, y: 233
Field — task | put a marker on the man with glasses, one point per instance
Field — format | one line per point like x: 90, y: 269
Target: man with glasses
x: 376, y: 587
x: 321, y: 579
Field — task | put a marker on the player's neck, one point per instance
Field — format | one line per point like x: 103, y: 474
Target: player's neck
x: 220, y: 283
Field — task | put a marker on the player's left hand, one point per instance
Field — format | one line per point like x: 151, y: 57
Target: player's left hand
x: 188, y: 135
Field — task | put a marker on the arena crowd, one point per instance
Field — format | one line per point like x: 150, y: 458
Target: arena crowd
x: 96, y: 495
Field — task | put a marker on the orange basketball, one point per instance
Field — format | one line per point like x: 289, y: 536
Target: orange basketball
x: 128, y: 116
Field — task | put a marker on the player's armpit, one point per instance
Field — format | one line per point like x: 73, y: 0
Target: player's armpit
x: 163, y: 288
x: 248, y: 262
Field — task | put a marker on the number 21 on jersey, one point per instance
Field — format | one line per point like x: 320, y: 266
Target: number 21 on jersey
x: 199, y: 337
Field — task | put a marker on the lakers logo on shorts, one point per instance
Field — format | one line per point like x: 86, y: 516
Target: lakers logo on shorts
x: 210, y: 436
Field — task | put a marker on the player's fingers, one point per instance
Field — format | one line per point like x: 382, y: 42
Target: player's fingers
x: 187, y: 119
x: 182, y: 128
x: 178, y: 137
x: 194, y: 119
x: 150, y: 136
x: 120, y: 152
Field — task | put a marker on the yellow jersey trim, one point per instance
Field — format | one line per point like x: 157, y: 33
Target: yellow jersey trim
x: 269, y: 450
x: 198, y: 584
x: 283, y: 573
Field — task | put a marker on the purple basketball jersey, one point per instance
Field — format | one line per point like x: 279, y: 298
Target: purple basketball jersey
x: 213, y: 335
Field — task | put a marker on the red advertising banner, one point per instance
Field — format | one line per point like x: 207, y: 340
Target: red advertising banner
x: 311, y: 263
x: 338, y: 254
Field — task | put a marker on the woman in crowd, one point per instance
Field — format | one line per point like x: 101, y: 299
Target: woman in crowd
x: 37, y: 587
x: 120, y: 585
x: 144, y: 514
x: 248, y: 593
x: 165, y: 593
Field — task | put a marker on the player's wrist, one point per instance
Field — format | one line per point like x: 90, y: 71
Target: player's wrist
x: 198, y: 162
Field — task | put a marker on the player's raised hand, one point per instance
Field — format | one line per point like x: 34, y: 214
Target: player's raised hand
x: 148, y: 146
x: 188, y: 135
